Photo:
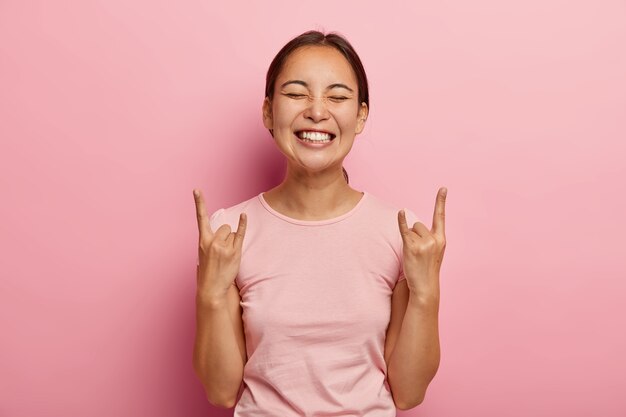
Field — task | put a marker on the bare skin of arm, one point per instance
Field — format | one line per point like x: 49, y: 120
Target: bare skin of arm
x: 412, y: 351
x: 219, y: 352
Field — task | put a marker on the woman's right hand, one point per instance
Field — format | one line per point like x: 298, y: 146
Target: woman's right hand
x: 219, y: 254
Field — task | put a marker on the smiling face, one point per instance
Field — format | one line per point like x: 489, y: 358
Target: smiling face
x: 316, y: 90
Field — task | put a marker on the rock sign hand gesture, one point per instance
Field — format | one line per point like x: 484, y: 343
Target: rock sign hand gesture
x: 422, y: 251
x: 219, y: 254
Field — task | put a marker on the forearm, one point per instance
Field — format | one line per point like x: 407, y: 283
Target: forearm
x: 415, y: 357
x: 216, y: 357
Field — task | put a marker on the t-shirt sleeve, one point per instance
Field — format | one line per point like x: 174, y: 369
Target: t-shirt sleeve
x: 215, y: 219
x: 411, y: 218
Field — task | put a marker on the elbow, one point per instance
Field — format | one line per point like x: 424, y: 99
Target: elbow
x: 221, y: 402
x: 221, y: 398
x: 217, y: 396
x: 407, y: 405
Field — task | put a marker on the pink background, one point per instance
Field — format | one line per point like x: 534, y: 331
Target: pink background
x: 111, y: 112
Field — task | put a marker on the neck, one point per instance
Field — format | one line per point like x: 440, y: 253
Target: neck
x: 314, y: 194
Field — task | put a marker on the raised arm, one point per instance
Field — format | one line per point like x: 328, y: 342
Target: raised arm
x: 219, y: 352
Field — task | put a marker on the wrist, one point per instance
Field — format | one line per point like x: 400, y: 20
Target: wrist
x: 424, y: 301
x: 204, y: 300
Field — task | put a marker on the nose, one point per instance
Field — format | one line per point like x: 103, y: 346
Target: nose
x: 316, y: 109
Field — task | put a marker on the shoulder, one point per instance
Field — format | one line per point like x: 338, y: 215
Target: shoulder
x: 387, y: 211
x: 230, y: 214
x: 381, y: 222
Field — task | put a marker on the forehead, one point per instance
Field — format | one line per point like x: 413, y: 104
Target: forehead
x: 318, y: 63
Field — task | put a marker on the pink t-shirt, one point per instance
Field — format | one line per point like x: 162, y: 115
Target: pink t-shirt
x: 316, y: 298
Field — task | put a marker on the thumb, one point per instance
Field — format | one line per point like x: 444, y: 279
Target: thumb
x: 404, y: 228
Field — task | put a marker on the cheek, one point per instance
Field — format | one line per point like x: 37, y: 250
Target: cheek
x: 346, y: 120
x: 347, y: 115
x: 285, y: 115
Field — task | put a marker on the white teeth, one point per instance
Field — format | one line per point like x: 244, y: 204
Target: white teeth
x: 314, y: 136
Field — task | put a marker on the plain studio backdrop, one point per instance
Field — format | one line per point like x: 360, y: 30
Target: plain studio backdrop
x: 111, y: 112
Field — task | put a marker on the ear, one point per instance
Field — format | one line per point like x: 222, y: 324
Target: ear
x: 362, y: 117
x: 268, y: 121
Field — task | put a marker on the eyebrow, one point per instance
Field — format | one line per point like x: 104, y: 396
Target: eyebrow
x: 335, y: 85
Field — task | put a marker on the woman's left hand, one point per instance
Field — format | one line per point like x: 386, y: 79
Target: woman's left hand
x: 423, y: 251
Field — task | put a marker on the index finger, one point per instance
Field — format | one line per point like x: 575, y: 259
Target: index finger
x: 201, y: 215
x: 440, y: 212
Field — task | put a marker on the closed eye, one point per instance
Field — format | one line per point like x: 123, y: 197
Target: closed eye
x: 294, y: 95
x: 336, y: 99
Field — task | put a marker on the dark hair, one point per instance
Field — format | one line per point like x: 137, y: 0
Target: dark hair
x: 317, y: 38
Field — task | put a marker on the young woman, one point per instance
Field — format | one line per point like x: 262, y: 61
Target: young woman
x: 323, y: 302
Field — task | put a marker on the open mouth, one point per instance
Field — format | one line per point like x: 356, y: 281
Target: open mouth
x: 314, y: 137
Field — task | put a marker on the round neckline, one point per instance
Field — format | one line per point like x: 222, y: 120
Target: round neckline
x: 312, y: 222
